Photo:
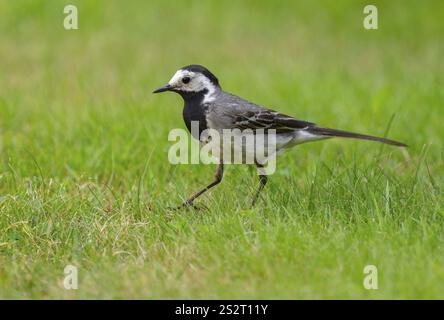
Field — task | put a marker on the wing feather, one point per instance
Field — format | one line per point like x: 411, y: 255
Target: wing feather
x: 268, y: 119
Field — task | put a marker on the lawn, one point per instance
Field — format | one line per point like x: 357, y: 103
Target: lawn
x: 85, y: 178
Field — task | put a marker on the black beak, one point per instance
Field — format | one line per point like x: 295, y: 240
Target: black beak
x: 163, y: 88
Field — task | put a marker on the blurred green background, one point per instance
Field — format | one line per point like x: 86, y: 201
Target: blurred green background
x: 84, y: 176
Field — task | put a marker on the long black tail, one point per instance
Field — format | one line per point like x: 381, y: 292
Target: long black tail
x: 345, y: 134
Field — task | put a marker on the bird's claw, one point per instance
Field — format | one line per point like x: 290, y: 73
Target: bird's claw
x: 188, y: 205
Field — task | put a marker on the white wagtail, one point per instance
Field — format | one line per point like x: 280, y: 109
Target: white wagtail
x: 212, y: 108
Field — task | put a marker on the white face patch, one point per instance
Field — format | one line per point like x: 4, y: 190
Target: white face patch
x: 198, y: 82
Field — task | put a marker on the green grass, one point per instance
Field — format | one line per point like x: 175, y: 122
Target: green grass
x: 85, y: 180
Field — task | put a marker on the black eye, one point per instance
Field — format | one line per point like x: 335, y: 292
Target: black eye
x: 186, y: 79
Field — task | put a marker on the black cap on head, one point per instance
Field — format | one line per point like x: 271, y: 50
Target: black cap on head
x: 201, y: 69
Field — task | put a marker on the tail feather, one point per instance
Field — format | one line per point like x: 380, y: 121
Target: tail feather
x: 345, y: 134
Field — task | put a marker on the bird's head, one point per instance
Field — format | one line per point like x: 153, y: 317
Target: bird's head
x: 190, y: 80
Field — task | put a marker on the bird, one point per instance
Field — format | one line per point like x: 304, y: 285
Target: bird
x: 206, y: 104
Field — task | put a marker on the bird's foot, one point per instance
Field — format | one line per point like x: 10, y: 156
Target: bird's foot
x: 254, y: 200
x: 188, y: 205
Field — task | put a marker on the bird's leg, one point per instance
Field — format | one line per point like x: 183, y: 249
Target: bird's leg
x: 263, y: 181
x: 217, y: 179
